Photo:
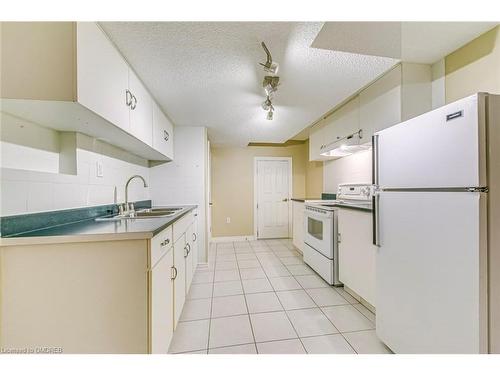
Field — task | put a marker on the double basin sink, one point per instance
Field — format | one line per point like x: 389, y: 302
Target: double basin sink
x: 148, y: 213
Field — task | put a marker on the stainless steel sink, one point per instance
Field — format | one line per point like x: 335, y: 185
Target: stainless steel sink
x: 148, y: 213
x: 158, y: 213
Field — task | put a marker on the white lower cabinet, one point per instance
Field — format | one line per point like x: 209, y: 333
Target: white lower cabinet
x: 179, y: 278
x: 162, y: 295
x: 195, y: 241
x: 173, y: 261
x: 298, y: 225
x: 357, y: 254
x: 189, y: 257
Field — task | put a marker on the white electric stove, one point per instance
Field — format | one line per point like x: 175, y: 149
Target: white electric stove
x: 321, y: 250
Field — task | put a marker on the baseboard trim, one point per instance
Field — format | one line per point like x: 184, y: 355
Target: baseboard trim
x: 233, y: 239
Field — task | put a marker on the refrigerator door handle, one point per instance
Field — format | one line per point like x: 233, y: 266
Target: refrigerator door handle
x: 375, y: 224
x: 375, y: 159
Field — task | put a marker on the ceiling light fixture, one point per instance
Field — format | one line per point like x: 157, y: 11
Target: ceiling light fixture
x: 270, y: 114
x: 270, y: 82
x: 270, y: 66
x: 267, y: 104
x: 270, y: 85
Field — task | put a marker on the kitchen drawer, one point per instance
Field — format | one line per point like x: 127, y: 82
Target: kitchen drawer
x: 160, y: 244
x: 181, y: 225
x: 319, y: 263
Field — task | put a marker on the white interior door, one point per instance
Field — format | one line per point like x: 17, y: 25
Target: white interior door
x: 430, y: 280
x: 273, y: 179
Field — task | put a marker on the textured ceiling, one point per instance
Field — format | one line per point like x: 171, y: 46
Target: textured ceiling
x: 419, y: 42
x: 207, y: 74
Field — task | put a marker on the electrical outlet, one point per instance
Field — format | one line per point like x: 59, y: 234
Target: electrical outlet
x: 99, y: 168
x: 228, y: 220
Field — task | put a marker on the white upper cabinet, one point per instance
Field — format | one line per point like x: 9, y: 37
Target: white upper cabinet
x: 102, y: 75
x: 316, y: 142
x: 343, y: 122
x: 70, y: 77
x: 141, y: 110
x: 400, y: 94
x: 163, y: 133
x: 380, y: 103
x: 340, y: 124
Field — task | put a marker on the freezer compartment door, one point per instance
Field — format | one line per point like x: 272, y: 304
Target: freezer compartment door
x: 430, y: 282
x: 439, y: 149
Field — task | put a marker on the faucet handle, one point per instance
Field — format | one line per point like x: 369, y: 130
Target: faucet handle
x: 121, y: 208
x: 131, y: 207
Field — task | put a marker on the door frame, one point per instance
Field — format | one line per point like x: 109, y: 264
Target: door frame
x: 256, y: 159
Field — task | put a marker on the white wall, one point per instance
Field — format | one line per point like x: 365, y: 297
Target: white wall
x: 29, y: 181
x: 438, y: 84
x: 356, y: 168
x: 184, y: 181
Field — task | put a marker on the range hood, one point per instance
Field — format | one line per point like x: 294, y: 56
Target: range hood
x: 346, y: 146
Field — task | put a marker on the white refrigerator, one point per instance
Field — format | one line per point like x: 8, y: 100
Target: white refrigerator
x: 436, y: 220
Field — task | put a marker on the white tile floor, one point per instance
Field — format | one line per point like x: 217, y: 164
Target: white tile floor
x: 260, y: 297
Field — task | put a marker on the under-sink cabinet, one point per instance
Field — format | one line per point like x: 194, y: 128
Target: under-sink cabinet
x: 174, y: 272
x: 298, y: 225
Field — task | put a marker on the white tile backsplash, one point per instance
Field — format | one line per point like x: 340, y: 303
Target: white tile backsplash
x: 24, y: 191
x: 355, y: 168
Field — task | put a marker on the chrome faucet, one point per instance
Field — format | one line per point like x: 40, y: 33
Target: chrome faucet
x: 126, y: 188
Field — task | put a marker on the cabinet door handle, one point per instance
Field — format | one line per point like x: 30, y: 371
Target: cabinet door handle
x: 186, y: 252
x: 285, y: 200
x: 128, y: 97
x: 165, y: 243
x: 189, y: 248
x: 133, y: 103
x: 166, y: 136
x: 174, y: 275
x: 194, y: 237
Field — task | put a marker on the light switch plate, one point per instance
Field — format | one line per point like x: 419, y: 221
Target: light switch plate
x: 99, y: 168
x: 228, y: 220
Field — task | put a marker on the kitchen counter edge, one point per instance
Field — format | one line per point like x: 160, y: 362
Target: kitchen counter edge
x: 97, y: 237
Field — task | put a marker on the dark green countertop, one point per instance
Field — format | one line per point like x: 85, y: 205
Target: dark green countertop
x: 354, y: 207
x: 144, y: 228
